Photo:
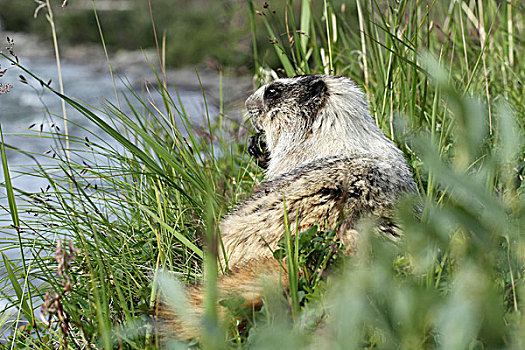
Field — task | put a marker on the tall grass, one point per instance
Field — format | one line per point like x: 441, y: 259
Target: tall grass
x: 131, y: 201
x: 444, y: 81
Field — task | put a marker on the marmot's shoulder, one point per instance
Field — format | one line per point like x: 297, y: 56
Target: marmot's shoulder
x: 375, y: 180
x: 330, y: 192
x: 342, y: 172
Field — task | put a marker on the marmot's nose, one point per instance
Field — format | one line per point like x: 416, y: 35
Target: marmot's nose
x: 253, y: 103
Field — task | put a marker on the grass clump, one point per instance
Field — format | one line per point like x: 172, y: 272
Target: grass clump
x: 444, y: 80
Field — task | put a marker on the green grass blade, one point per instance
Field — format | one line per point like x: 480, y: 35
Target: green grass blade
x: 306, y: 16
x: 13, y: 210
x: 292, y: 262
x: 170, y: 229
x: 281, y: 53
x: 251, y: 12
x: 22, y: 300
x: 8, y: 184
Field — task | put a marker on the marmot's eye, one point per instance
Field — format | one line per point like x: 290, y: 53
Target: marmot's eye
x: 272, y: 93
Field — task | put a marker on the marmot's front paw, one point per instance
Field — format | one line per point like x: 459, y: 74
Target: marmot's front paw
x: 257, y: 149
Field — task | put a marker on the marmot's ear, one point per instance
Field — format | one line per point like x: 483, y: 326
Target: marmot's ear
x: 317, y: 88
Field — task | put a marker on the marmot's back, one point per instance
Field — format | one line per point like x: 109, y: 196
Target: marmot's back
x: 327, y: 192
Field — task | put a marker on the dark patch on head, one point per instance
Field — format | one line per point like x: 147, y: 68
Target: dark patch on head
x: 313, y: 96
x: 313, y: 89
x: 302, y: 97
x: 307, y: 89
x: 273, y: 92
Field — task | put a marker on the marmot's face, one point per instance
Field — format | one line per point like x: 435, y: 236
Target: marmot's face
x: 287, y: 107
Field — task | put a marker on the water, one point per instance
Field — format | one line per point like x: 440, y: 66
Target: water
x: 28, y: 104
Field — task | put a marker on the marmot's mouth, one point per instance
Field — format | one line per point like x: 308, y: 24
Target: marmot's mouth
x: 257, y: 148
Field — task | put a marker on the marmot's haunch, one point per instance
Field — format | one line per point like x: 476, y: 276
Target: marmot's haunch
x: 329, y: 161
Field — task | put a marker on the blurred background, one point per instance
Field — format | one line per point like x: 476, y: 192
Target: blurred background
x: 214, y: 33
x: 197, y: 32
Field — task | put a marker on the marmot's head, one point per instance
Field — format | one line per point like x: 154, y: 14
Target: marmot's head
x: 283, y: 106
x: 314, y: 116
x: 285, y: 103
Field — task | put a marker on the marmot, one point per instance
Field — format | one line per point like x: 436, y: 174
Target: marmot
x: 327, y: 159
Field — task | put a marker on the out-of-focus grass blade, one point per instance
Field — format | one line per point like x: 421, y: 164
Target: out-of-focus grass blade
x: 174, y: 294
x: 292, y: 263
x: 22, y: 302
x: 305, y: 24
x: 251, y: 11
